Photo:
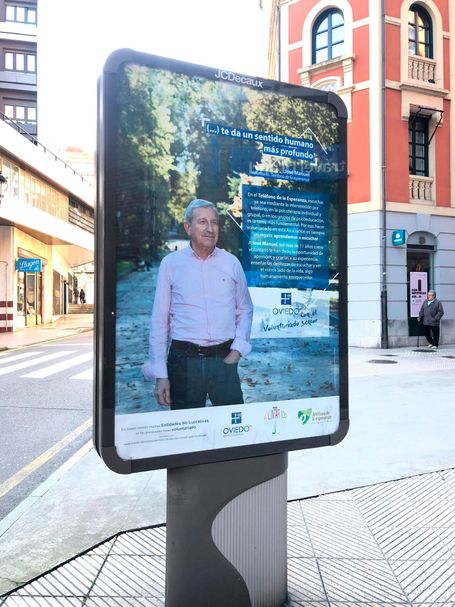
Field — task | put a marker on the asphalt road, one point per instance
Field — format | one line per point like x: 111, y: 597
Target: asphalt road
x: 45, y: 412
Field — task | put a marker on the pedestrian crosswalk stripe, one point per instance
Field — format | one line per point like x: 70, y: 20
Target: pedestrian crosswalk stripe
x: 36, y: 361
x: 61, y: 366
x: 15, y: 357
x: 87, y: 374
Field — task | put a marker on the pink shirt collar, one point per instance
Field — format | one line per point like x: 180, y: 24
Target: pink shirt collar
x: 198, y: 257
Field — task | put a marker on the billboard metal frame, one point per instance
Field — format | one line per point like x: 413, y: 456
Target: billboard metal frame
x: 105, y: 256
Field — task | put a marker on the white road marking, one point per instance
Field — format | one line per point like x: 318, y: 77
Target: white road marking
x: 61, y: 366
x: 87, y: 374
x: 14, y: 357
x: 36, y: 361
x: 69, y: 345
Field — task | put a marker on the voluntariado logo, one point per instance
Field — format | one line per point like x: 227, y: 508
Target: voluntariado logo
x: 304, y: 415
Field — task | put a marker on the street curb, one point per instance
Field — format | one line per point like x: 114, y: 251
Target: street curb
x: 45, y: 341
x: 12, y: 517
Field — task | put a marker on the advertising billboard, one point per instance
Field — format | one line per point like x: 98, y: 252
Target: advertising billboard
x: 221, y: 265
x: 418, y: 289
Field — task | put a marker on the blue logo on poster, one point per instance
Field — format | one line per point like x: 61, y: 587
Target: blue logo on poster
x: 286, y: 299
x: 236, y: 418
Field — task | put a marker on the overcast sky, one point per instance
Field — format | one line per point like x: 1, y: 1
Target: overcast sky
x: 76, y: 37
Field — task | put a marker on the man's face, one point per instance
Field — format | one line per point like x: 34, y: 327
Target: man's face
x: 430, y: 296
x: 203, y: 229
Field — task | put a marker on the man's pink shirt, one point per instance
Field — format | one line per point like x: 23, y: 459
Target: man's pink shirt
x: 204, y: 301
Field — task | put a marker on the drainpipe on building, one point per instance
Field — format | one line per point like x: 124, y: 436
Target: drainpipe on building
x: 384, y: 316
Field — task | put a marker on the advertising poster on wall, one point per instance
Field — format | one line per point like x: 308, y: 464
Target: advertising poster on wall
x: 418, y: 288
x: 222, y: 324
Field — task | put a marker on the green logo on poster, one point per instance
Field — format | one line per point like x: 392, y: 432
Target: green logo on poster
x: 304, y: 415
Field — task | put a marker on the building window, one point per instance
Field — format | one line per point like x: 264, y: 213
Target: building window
x: 328, y: 36
x: 21, y: 113
x: 420, y: 36
x: 418, y: 146
x: 18, y: 61
x: 21, y: 14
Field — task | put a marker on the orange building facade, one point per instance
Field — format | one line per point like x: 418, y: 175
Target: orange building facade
x: 391, y: 62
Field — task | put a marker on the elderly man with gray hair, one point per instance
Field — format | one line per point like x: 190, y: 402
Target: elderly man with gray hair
x: 201, y: 319
x: 430, y: 315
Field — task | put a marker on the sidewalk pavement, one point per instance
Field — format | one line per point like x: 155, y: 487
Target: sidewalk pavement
x: 366, y: 539
x: 64, y: 326
x: 391, y: 544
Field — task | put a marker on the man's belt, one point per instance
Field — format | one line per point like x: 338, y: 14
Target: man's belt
x: 196, y: 350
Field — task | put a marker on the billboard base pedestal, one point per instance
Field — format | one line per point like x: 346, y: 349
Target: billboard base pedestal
x: 226, y: 534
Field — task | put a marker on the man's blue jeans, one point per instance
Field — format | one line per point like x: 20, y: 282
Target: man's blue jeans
x: 194, y: 377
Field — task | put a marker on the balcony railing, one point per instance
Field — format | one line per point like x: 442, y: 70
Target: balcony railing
x: 81, y: 220
x: 421, y: 189
x: 28, y: 130
x: 422, y: 69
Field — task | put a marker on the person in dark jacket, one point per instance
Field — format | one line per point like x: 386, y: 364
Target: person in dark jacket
x: 430, y: 315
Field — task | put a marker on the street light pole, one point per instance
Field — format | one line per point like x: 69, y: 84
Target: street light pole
x: 384, y: 311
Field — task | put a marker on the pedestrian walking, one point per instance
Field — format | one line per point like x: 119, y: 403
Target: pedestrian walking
x: 82, y: 296
x: 75, y: 294
x: 430, y: 316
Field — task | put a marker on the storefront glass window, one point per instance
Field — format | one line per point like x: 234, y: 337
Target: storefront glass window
x: 20, y: 294
x: 34, y: 191
x: 30, y: 295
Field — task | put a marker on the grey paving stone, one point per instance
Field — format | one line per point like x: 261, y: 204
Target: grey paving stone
x: 304, y: 581
x: 299, y: 544
x: 369, y: 604
x: 407, y: 514
x: 332, y: 513
x: 447, y: 535
x: 102, y: 549
x: 337, y: 496
x: 412, y: 544
x: 293, y: 602
x: 73, y: 579
x: 295, y: 514
x: 43, y: 601
x: 426, y: 581
x: 130, y: 576
x: 343, y: 541
x: 151, y: 542
x: 349, y: 580
x: 137, y: 601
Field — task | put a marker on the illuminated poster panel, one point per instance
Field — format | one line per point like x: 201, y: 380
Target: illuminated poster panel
x: 418, y: 289
x: 221, y: 323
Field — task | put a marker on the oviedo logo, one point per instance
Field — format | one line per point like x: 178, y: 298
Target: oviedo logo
x: 236, y: 426
x: 304, y: 415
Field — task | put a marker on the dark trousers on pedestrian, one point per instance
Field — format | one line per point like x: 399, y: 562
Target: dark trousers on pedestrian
x: 432, y: 334
x: 197, y: 372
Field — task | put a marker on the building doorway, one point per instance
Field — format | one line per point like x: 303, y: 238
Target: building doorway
x: 30, y: 297
x: 419, y: 281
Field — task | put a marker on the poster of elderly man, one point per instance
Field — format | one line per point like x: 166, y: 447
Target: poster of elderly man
x: 224, y: 214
